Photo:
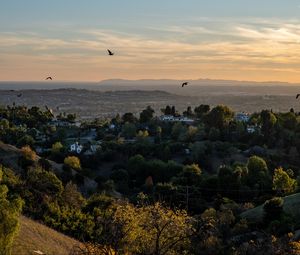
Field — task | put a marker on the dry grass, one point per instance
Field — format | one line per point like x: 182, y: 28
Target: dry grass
x: 34, y: 236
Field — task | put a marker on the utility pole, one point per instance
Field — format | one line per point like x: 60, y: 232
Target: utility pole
x: 187, y: 198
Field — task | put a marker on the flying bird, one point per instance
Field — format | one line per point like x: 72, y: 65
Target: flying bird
x: 49, y: 78
x: 298, y: 95
x: 184, y: 84
x: 110, y: 53
x: 19, y: 95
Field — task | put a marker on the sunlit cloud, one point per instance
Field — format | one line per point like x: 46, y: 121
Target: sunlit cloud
x: 235, y: 50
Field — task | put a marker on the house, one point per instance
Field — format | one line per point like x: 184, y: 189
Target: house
x: 171, y: 118
x: 185, y: 120
x: 59, y: 123
x: 167, y: 118
x: 76, y: 147
x: 112, y: 126
x: 187, y: 151
x: 242, y: 117
x: 251, y: 129
x: 92, y: 149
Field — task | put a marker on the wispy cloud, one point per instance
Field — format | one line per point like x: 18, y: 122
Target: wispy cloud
x: 253, y: 46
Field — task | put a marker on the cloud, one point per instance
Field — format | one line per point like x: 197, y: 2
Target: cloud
x: 254, y: 45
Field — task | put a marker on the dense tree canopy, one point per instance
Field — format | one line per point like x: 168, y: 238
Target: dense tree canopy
x: 9, y: 218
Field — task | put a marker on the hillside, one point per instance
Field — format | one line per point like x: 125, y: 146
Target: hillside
x: 290, y: 206
x: 9, y: 157
x: 34, y: 236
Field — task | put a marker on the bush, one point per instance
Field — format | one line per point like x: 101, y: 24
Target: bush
x: 273, y: 209
x: 72, y: 162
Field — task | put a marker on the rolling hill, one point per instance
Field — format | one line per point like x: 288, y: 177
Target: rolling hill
x: 35, y: 237
x: 290, y: 206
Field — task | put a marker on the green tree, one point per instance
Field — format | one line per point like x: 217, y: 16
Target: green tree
x: 201, y: 110
x: 129, y: 130
x: 268, y: 121
x: 219, y: 117
x: 128, y: 117
x: 188, y: 112
x: 199, y: 151
x: 26, y: 140
x: 289, y: 120
x: 72, y: 162
x: 4, y: 124
x: 190, y: 175
x: 282, y: 182
x: 43, y: 182
x: 9, y: 218
x: 56, y: 148
x: 167, y: 110
x: 71, y: 197
x: 135, y: 163
x: 191, y: 133
x: 146, y: 115
x: 214, y: 134
x: 28, y: 156
x: 179, y: 131
x: 71, y: 117
x: 257, y: 172
x: 273, y: 209
x: 153, y: 229
x: 142, y: 134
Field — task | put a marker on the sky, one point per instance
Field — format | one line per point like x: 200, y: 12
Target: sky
x: 257, y: 40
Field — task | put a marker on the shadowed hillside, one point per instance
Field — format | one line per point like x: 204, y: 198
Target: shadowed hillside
x: 290, y: 206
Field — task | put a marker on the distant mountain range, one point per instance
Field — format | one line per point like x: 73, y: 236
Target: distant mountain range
x: 200, y: 87
x: 203, y: 82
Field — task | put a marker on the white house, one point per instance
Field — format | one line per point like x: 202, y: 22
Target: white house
x: 171, y: 118
x: 243, y: 117
x: 76, y: 147
x: 167, y: 118
x: 112, y: 126
x: 251, y: 129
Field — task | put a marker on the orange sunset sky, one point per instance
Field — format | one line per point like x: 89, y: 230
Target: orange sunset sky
x: 235, y: 39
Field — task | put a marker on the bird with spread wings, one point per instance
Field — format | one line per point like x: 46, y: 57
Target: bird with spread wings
x: 110, y: 53
x: 184, y: 84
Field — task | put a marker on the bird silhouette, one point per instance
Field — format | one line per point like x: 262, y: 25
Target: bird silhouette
x: 184, y: 84
x: 110, y: 53
x: 49, y: 78
x: 19, y: 95
x: 298, y: 95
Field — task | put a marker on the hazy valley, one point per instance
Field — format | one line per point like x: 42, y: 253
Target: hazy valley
x: 107, y: 98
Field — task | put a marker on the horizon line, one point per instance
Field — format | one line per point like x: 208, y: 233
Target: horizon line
x: 148, y: 79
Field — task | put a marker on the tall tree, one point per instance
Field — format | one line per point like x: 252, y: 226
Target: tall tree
x: 268, y: 121
x: 146, y: 115
x: 153, y: 229
x: 282, y: 182
x: 201, y: 110
x: 220, y: 117
x: 9, y: 218
x: 258, y: 174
